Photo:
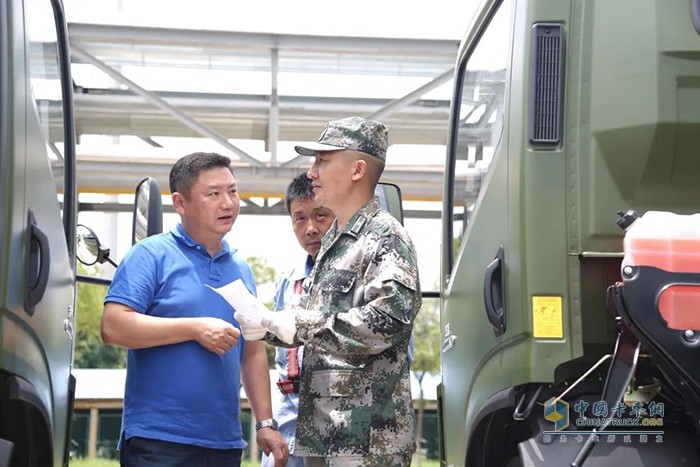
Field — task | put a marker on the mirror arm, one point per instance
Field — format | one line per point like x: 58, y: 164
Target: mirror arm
x: 93, y: 280
x: 103, y: 257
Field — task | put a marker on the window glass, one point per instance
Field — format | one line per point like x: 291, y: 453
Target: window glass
x: 45, y: 81
x: 480, y: 124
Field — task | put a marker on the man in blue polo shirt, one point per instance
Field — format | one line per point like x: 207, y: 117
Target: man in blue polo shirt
x: 185, y: 360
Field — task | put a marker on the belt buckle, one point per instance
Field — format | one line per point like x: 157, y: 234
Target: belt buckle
x: 289, y: 386
x: 286, y: 386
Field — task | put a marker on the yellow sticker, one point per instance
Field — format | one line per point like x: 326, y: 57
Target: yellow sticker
x: 547, y: 318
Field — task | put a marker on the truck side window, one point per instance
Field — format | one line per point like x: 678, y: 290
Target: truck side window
x: 481, y: 113
x: 45, y: 81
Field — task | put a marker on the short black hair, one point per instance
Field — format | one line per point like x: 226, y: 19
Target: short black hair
x: 185, y: 171
x: 299, y: 188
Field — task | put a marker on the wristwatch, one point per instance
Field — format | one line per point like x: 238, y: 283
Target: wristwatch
x: 269, y: 423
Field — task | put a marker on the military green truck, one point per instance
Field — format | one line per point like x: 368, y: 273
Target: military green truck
x: 564, y: 113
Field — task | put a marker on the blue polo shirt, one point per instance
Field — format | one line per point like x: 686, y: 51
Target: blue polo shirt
x: 181, y: 393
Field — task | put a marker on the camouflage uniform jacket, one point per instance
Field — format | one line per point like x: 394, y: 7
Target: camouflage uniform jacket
x: 360, y: 301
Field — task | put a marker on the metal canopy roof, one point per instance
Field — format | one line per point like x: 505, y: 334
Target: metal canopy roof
x: 124, y: 107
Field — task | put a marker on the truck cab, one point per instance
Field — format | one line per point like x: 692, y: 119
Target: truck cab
x: 563, y: 114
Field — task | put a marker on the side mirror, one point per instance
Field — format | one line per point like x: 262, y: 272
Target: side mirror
x: 148, y: 210
x: 389, y: 196
x: 88, y: 248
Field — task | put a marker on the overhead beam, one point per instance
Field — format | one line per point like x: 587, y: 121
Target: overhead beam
x: 396, y: 104
x: 173, y: 37
x: 108, y: 98
x: 150, y: 141
x: 412, y: 96
x: 159, y: 102
x: 97, y: 174
x: 239, y: 116
x: 277, y: 209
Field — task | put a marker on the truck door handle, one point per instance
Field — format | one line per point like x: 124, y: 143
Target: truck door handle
x: 494, y: 293
x: 38, y: 266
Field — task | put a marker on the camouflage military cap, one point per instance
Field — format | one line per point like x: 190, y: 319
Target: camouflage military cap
x: 354, y: 133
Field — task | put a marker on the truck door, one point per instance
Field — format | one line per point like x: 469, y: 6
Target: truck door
x: 37, y: 280
x: 475, y: 227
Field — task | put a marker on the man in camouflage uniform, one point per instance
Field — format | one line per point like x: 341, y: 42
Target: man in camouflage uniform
x: 356, y: 315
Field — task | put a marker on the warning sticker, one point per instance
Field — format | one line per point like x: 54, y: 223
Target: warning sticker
x: 547, y: 319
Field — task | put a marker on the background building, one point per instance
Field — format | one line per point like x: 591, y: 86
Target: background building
x: 98, y: 412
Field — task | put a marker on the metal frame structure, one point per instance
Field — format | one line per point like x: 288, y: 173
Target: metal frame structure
x: 127, y: 108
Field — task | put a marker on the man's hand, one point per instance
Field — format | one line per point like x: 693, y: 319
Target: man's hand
x: 216, y: 335
x: 251, y: 328
x: 282, y: 324
x: 272, y: 441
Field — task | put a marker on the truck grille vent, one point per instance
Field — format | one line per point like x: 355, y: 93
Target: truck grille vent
x: 547, y: 84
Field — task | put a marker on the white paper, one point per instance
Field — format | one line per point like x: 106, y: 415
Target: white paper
x: 238, y: 296
x: 268, y: 461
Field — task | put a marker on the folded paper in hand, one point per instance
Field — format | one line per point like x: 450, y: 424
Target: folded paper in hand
x: 238, y: 296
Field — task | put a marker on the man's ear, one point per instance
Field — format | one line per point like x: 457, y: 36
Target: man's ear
x: 359, y: 169
x: 178, y: 202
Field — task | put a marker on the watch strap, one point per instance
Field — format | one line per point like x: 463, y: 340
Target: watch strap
x: 268, y: 423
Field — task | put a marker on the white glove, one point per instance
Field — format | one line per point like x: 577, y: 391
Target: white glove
x: 249, y: 310
x: 254, y: 317
x: 282, y: 324
x: 251, y: 329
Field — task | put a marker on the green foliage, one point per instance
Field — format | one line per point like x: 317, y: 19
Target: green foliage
x: 426, y: 341
x: 90, y: 351
x: 89, y: 302
x: 456, y: 243
x: 85, y: 462
x: 270, y: 351
x: 426, y: 356
x: 264, y: 275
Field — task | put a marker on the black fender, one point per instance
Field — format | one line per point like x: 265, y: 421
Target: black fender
x: 480, y: 451
x: 27, y: 433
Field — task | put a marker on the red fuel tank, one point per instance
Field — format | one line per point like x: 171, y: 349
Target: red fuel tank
x: 670, y: 242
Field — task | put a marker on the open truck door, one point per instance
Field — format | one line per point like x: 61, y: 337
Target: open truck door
x: 37, y: 261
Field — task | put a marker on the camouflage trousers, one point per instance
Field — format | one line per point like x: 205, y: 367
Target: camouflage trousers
x: 368, y: 461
